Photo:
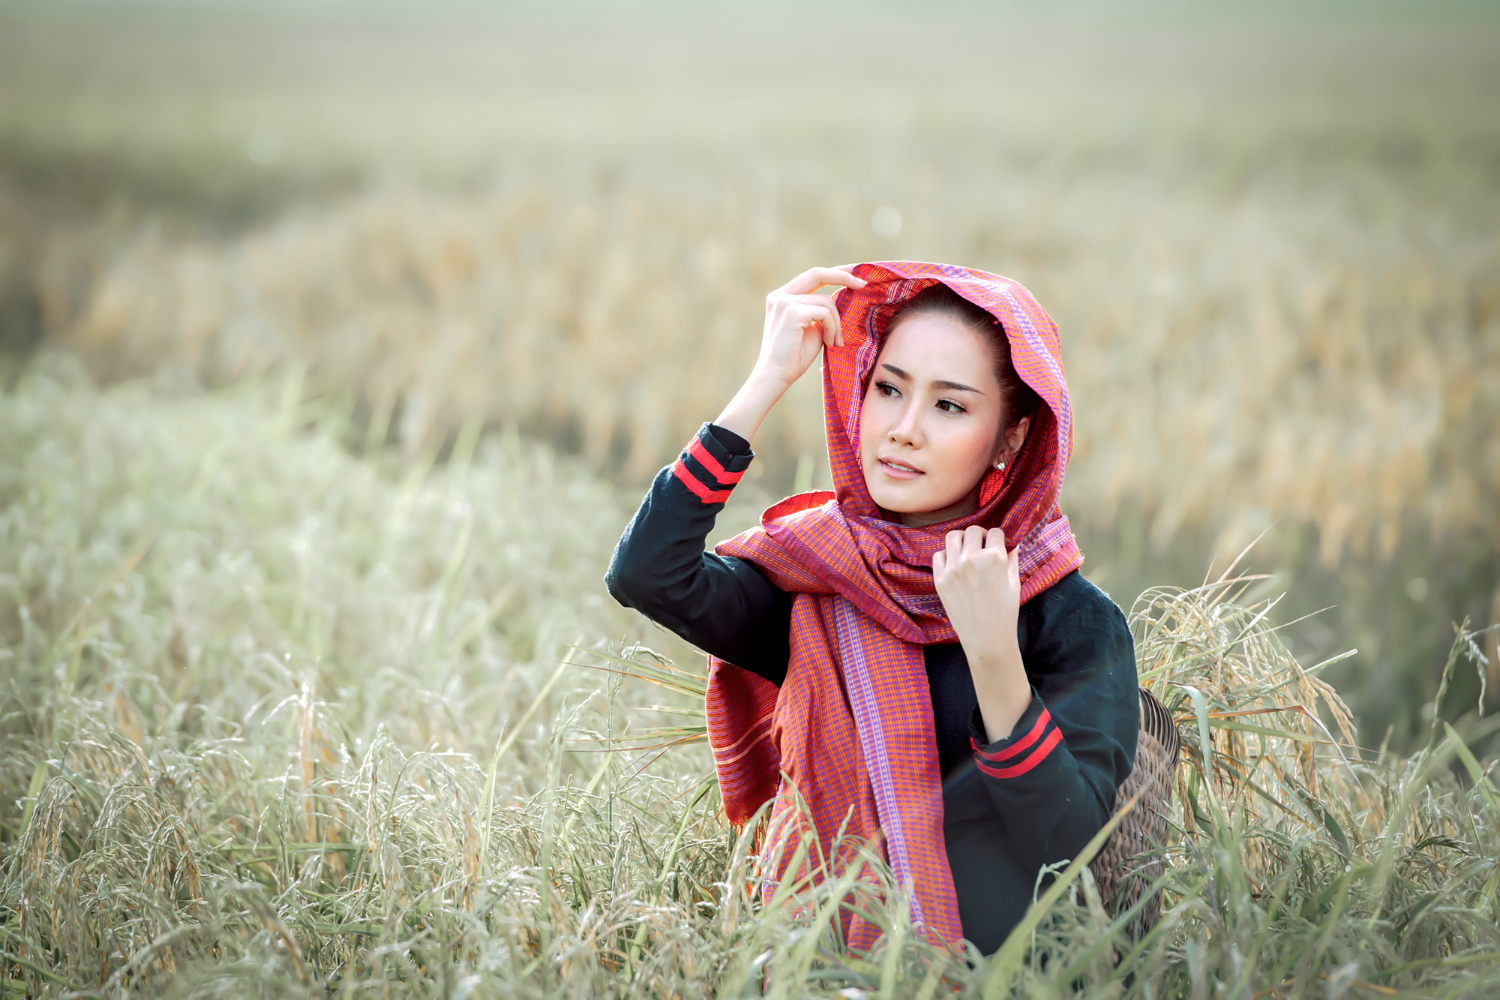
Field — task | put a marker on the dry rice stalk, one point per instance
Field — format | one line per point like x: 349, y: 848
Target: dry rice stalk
x: 1275, y: 758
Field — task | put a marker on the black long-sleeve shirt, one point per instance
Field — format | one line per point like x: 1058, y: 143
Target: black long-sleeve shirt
x: 1010, y: 806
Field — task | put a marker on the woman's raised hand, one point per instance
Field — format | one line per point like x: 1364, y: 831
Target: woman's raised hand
x: 980, y: 586
x: 800, y: 323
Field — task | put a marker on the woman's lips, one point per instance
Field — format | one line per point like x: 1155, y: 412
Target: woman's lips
x: 896, y: 471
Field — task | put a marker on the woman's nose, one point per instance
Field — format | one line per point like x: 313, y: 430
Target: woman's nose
x: 906, y: 430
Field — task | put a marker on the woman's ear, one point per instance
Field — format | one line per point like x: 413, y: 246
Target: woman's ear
x: 1015, y: 436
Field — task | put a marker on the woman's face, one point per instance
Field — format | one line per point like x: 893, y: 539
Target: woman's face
x: 930, y: 426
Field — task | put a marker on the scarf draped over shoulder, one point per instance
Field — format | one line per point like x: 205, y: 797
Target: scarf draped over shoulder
x: 846, y: 743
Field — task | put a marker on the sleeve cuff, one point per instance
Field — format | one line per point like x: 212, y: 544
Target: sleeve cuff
x: 712, y: 463
x: 1030, y: 743
x: 733, y: 446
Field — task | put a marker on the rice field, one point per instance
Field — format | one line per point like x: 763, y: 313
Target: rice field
x: 335, y: 349
x: 1269, y: 242
x: 1331, y: 273
x: 285, y: 721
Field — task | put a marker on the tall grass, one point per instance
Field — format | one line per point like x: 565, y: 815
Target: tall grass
x: 281, y: 720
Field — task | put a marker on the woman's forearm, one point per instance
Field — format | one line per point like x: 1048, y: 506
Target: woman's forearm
x: 1003, y: 690
x: 752, y: 404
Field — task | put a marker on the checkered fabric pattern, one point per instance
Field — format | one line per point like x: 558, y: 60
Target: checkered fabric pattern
x: 846, y: 743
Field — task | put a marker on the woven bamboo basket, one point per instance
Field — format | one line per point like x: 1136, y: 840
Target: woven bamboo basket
x: 1131, y: 859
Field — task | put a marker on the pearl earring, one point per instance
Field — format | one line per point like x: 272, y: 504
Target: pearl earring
x: 1000, y: 466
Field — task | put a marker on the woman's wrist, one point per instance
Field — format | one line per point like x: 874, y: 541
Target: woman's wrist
x: 765, y: 382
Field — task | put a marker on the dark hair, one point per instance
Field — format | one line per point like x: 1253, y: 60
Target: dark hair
x: 1018, y: 399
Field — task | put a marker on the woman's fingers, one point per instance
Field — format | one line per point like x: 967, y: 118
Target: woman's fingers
x: 973, y: 540
x: 954, y: 543
x: 816, y: 309
x: 802, y: 310
x: 801, y: 289
x: 967, y: 548
x: 806, y: 315
x: 815, y: 278
x: 828, y: 313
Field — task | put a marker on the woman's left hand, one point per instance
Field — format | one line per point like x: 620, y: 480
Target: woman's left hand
x: 979, y: 583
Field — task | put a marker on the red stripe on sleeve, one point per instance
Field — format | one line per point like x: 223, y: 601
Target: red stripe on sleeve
x: 696, y: 449
x: 1036, y: 757
x: 702, y: 492
x: 1031, y: 737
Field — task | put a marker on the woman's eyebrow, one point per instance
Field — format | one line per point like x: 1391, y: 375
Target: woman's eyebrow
x: 940, y: 382
x: 944, y: 383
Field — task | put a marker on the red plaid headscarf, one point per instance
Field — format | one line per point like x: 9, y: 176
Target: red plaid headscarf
x: 851, y: 727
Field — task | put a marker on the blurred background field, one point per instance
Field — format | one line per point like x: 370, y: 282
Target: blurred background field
x: 1270, y: 241
x: 338, y: 341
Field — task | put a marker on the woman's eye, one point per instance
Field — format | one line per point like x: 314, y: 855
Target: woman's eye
x: 886, y: 389
x: 949, y: 406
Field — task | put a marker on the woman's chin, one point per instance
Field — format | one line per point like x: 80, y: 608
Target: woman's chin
x: 917, y: 507
x: 898, y: 501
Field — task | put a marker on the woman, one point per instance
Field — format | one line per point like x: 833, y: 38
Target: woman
x: 879, y: 652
